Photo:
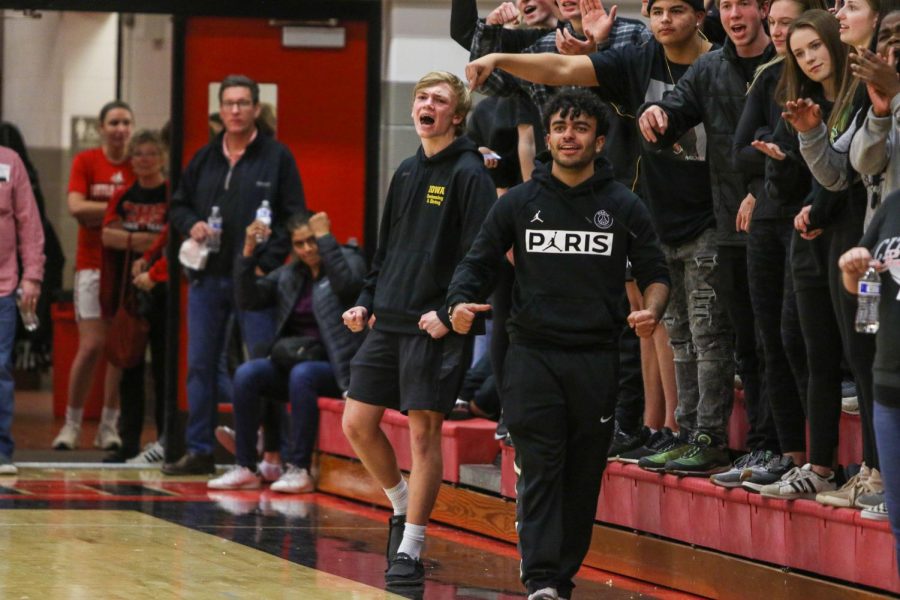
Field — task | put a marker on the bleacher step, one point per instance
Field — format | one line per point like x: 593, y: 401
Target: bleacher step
x: 480, y: 477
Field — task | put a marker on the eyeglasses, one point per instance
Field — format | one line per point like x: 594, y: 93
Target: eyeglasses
x: 232, y: 104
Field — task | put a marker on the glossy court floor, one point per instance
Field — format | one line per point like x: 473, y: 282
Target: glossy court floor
x: 68, y: 533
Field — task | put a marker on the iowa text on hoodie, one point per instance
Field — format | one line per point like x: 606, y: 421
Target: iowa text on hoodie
x: 434, y: 208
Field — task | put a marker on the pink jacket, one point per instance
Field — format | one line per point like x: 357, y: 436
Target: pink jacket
x: 20, y: 225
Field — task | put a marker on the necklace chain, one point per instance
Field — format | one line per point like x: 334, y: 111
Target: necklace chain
x: 669, y: 68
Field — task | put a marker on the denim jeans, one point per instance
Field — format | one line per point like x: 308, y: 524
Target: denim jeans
x: 887, y: 436
x: 259, y: 379
x: 210, y: 304
x: 7, y: 385
x: 701, y: 337
x: 775, y: 311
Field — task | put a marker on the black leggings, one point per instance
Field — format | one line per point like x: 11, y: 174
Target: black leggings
x: 823, y: 355
x: 132, y: 389
x: 859, y: 348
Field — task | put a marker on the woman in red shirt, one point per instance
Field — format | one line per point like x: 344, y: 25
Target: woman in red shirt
x: 96, y: 175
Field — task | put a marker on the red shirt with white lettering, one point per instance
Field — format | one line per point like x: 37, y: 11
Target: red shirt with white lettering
x: 98, y: 179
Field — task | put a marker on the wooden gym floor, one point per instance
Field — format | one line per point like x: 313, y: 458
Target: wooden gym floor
x: 135, y: 534
x: 114, y: 533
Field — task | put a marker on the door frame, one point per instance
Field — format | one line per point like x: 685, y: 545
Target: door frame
x: 369, y: 11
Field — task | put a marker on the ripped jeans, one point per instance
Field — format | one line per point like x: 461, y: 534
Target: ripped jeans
x: 701, y: 337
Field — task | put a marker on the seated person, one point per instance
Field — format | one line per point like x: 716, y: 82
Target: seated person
x: 478, y: 396
x: 312, y: 350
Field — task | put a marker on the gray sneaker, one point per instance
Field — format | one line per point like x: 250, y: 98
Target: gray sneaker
x: 869, y: 500
x: 741, y: 468
x: 6, y: 466
x: 768, y: 473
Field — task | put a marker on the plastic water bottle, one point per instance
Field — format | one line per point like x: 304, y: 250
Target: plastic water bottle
x: 29, y: 318
x: 214, y: 242
x: 264, y: 216
x: 869, y: 295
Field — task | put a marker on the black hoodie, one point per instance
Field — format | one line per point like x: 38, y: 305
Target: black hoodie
x: 433, y: 211
x: 571, y: 245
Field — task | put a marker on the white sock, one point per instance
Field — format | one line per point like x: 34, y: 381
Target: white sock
x: 652, y: 431
x: 413, y: 540
x: 399, y: 497
x: 74, y: 416
x: 109, y: 416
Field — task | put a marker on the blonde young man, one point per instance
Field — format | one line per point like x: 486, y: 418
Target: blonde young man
x: 411, y: 361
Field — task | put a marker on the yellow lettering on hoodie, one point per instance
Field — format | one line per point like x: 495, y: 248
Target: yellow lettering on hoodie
x: 435, y: 195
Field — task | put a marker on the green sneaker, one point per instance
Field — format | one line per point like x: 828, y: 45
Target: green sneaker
x: 674, y: 447
x: 705, y: 456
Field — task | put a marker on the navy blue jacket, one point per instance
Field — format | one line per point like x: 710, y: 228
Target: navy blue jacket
x: 266, y: 171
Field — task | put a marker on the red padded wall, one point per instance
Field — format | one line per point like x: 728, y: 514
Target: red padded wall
x: 321, y: 105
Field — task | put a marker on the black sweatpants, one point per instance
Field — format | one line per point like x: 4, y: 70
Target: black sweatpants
x: 630, y: 407
x: 559, y: 406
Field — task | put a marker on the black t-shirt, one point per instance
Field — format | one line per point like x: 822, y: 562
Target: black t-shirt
x: 143, y: 209
x: 749, y: 65
x: 528, y: 114
x: 882, y: 238
x: 676, y: 179
x: 138, y: 210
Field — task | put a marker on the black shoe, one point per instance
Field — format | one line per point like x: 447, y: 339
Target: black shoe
x: 623, y: 442
x: 118, y: 456
x: 405, y: 570
x: 461, y: 411
x: 502, y: 431
x: 191, y: 464
x: 396, y: 524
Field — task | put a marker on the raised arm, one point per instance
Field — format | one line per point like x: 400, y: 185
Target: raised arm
x: 463, y: 22
x: 545, y: 68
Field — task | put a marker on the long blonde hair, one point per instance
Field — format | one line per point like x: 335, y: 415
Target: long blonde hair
x: 841, y: 114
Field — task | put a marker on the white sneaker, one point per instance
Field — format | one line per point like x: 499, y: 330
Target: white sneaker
x: 294, y: 481
x: 547, y: 593
x: 153, y: 454
x: 270, y: 471
x: 225, y: 435
x: 107, y: 437
x: 799, y: 482
x: 7, y: 467
x: 876, y: 513
x: 68, y: 437
x: 238, y: 478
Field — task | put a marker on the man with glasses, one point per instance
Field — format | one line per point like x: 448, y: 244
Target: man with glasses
x: 239, y: 169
